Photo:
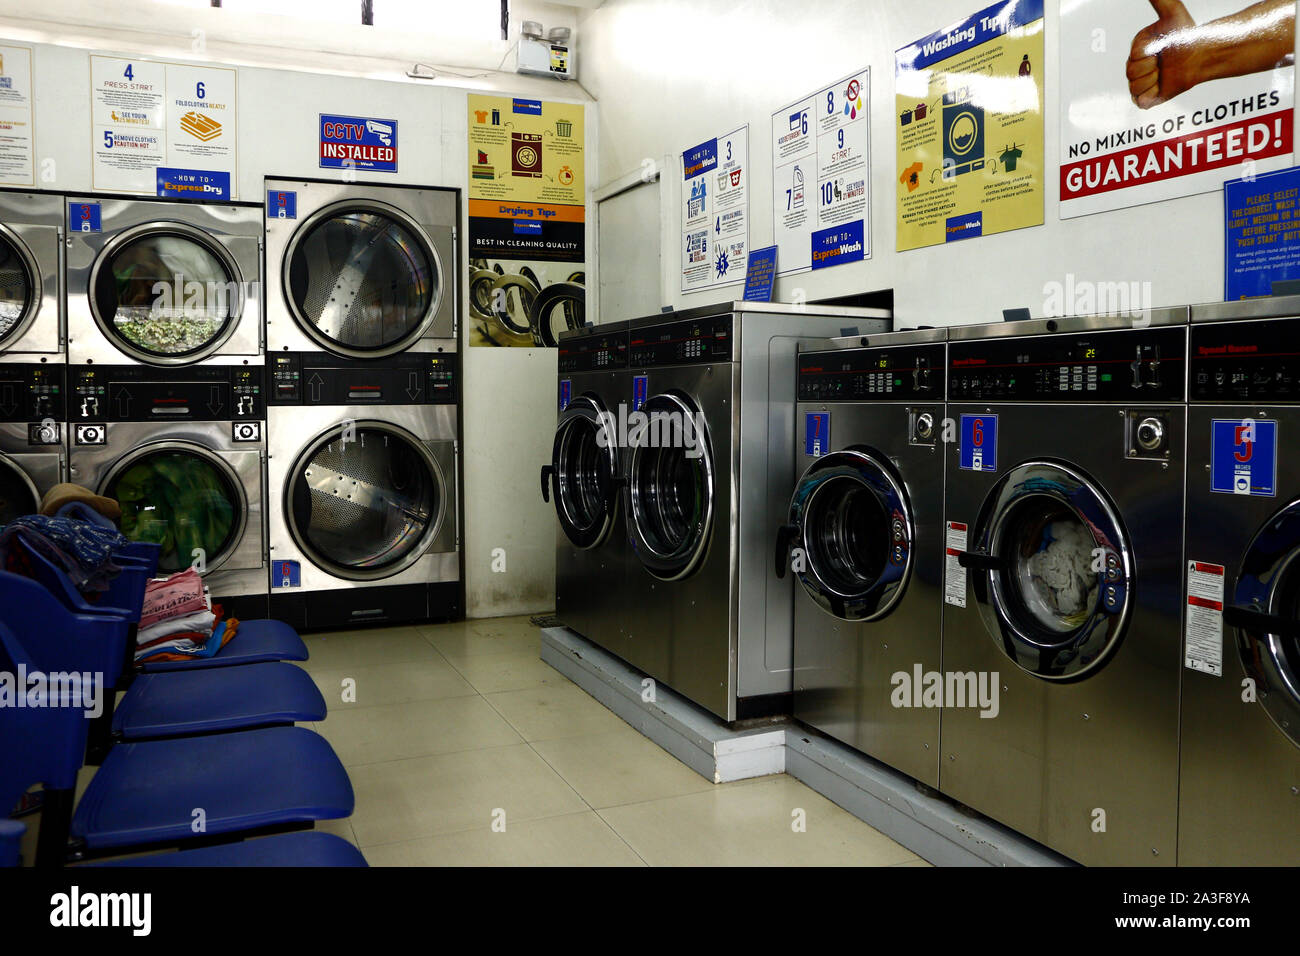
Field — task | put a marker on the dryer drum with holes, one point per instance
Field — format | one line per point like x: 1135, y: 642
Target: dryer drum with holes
x: 364, y: 462
x: 183, y: 451
x: 163, y: 284
x: 1240, y: 767
x: 1063, y: 563
x: 363, y: 272
x: 31, y: 320
x: 864, y: 541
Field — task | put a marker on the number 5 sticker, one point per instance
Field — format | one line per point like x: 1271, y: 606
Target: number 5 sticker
x: 979, y: 443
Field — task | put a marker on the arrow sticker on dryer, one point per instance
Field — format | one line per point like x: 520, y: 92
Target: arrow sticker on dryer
x: 314, y: 383
x: 413, y: 387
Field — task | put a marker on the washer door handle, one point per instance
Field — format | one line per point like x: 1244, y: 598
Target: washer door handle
x: 785, y: 536
x: 547, y: 472
x: 980, y: 561
x: 1234, y: 615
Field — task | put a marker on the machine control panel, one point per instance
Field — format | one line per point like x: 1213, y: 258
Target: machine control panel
x: 32, y: 392
x: 1123, y: 365
x: 893, y: 373
x: 315, y: 378
x: 687, y: 342
x: 1245, y: 361
x: 138, y: 393
x: 595, y: 352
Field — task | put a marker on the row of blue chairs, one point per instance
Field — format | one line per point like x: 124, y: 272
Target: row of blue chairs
x: 198, y: 755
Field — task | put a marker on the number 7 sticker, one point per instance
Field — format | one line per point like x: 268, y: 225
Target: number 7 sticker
x: 979, y: 443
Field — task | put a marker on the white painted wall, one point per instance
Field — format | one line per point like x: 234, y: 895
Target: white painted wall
x: 671, y: 73
x: 509, y: 411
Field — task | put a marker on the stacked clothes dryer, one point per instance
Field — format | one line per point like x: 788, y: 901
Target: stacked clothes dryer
x: 1063, y: 581
x: 865, y: 539
x: 363, y: 420
x: 32, y: 384
x: 1240, y: 757
x: 166, y: 404
x: 707, y: 483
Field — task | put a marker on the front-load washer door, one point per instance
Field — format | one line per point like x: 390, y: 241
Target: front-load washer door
x: 20, y: 288
x: 855, y: 530
x: 363, y: 279
x: 166, y: 293
x: 365, y: 500
x: 1052, y: 570
x: 670, y: 487
x: 1265, y: 609
x: 18, y: 492
x: 584, y: 466
x: 191, y: 500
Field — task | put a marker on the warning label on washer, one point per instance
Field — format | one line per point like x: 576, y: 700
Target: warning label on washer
x: 954, y: 577
x: 1204, y: 618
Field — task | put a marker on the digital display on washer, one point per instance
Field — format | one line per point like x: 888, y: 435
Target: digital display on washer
x: 688, y: 342
x: 31, y: 392
x: 896, y: 373
x: 594, y: 352
x: 1246, y: 361
x: 317, y: 378
x: 138, y: 393
x: 1125, y: 365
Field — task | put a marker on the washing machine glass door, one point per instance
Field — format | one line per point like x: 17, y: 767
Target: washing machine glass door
x: 365, y: 500
x: 1265, y: 610
x: 855, y: 529
x: 670, y: 488
x: 362, y: 279
x: 20, y: 293
x: 1052, y: 570
x: 182, y: 496
x: 584, y: 463
x: 18, y: 494
x: 166, y: 293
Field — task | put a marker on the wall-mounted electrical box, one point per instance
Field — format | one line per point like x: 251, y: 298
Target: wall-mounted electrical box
x: 546, y: 55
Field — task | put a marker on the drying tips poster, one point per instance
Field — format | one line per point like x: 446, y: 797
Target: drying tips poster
x: 527, y: 220
x: 969, y: 118
x: 1169, y: 98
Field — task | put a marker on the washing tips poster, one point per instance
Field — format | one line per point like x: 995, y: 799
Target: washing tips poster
x: 1169, y: 98
x: 969, y: 119
x: 527, y: 220
x: 715, y: 211
x: 821, y: 177
x: 166, y: 129
x: 16, y: 140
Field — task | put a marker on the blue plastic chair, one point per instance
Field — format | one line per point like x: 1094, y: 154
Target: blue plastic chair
x: 152, y: 793
x: 11, y: 838
x: 307, y: 848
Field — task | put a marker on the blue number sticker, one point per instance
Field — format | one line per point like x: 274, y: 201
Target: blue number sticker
x: 566, y: 392
x: 286, y: 574
x: 640, y: 388
x: 979, y: 443
x: 84, y: 217
x: 816, y: 433
x: 281, y: 204
x: 1243, y: 457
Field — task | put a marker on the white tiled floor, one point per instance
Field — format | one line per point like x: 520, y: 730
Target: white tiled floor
x: 457, y: 727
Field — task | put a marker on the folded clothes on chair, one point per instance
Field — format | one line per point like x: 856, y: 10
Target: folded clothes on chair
x: 65, y: 493
x: 190, y: 646
x: 200, y: 622
x: 179, y: 595
x: 84, y: 552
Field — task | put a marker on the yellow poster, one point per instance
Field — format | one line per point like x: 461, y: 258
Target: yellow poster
x: 969, y: 116
x: 527, y: 220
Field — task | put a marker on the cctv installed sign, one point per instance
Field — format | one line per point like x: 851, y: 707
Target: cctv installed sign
x: 358, y: 142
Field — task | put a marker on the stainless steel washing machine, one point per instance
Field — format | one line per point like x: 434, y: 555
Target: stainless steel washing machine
x: 163, y: 283
x: 32, y: 451
x: 584, y: 478
x: 865, y: 540
x: 365, y: 477
x: 1240, y: 767
x: 31, y: 276
x: 359, y: 271
x: 183, y: 451
x: 708, y: 482
x: 1062, y: 607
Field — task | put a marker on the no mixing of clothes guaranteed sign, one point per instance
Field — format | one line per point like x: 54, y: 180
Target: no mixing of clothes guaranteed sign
x: 358, y: 142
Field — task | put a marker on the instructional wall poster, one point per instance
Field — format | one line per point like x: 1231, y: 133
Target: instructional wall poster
x: 715, y: 211
x: 821, y: 177
x: 17, y: 143
x: 969, y: 117
x: 527, y: 220
x: 1261, y: 233
x: 1171, y: 97
x: 165, y: 129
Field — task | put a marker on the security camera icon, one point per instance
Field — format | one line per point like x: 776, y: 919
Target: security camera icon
x: 382, y: 130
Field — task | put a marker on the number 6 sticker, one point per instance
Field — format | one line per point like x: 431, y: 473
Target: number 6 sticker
x: 979, y: 443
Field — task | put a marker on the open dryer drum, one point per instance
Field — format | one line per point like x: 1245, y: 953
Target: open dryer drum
x: 362, y: 279
x: 19, y: 288
x: 584, y: 462
x: 166, y: 293
x: 365, y: 500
